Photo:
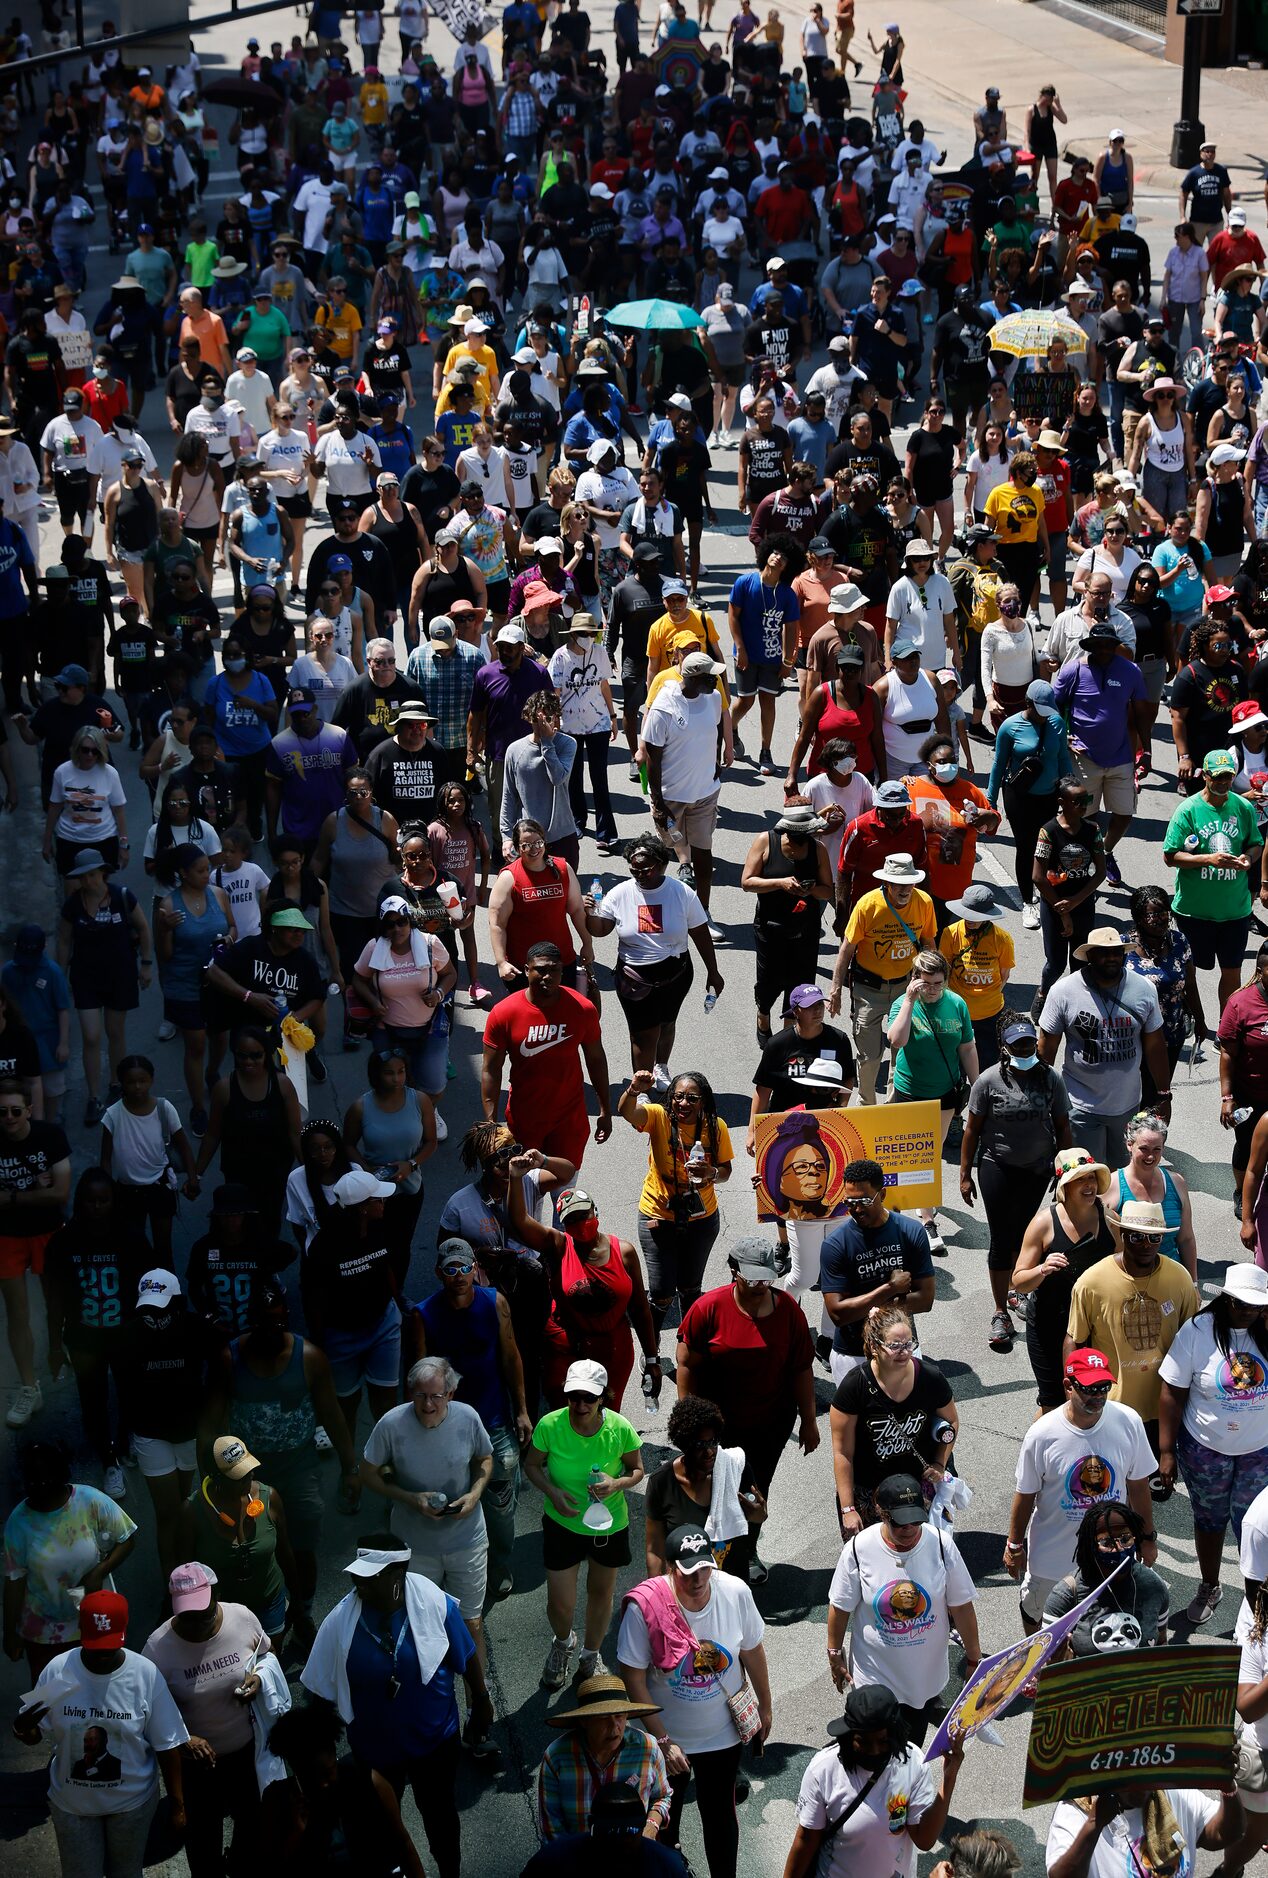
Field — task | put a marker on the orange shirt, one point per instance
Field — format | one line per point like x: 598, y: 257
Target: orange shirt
x: 952, y: 842
x: 812, y: 593
x: 209, y: 330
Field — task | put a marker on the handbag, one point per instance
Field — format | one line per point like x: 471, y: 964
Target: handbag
x: 1250, y: 1761
x: 959, y: 1081
x: 748, y: 1723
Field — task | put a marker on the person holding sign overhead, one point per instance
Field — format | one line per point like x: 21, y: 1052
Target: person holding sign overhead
x: 1141, y: 1829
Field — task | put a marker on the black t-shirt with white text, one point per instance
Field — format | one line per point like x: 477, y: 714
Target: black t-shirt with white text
x: 892, y: 1437
x: 25, y: 1164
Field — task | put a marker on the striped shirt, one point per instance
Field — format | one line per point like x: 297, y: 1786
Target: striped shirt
x: 568, y: 1779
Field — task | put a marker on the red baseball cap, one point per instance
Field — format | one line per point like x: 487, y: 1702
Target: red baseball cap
x: 1217, y: 591
x: 1088, y: 1368
x: 103, y: 1620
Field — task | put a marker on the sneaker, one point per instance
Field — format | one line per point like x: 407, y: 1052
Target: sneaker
x: 317, y: 1071
x: 93, y: 1112
x: 116, y: 1483
x: 322, y: 1441
x: 1003, y: 1330
x: 632, y: 773
x: 783, y: 1259
x: 166, y: 1031
x: 27, y: 1401
x: 1205, y: 1599
x: 198, y: 1122
x: 502, y: 1589
x: 823, y: 1350
x: 758, y: 1570
x: 481, y: 1747
x: 134, y: 741
x: 715, y: 440
x: 981, y: 733
x: 590, y: 1663
x: 1030, y: 916
x: 738, y: 744
x: 661, y: 1077
x: 1113, y: 874
x: 766, y: 762
x: 442, y: 1127
x: 687, y: 874
x: 555, y: 1673
x: 937, y: 1244
x: 479, y: 994
x: 716, y: 934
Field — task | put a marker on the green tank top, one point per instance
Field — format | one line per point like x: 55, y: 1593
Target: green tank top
x: 247, y: 1571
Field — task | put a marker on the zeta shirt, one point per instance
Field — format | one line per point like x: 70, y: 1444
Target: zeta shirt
x: 1070, y: 1470
x: 1213, y: 893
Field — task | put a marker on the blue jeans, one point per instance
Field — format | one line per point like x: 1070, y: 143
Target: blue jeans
x: 501, y: 1497
x: 426, y: 1048
x: 1117, y: 402
x: 1261, y: 507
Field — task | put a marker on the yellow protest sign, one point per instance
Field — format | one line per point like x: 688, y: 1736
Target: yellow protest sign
x: 802, y: 1153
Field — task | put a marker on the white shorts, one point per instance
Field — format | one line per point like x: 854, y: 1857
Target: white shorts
x: 156, y: 1457
x: 464, y: 1575
x: 1035, y: 1593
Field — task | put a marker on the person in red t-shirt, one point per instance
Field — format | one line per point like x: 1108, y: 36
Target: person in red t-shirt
x: 542, y: 1030
x: 783, y: 212
x: 747, y: 1347
x: 105, y: 396
x: 1073, y: 196
x: 888, y: 828
x: 1054, y: 481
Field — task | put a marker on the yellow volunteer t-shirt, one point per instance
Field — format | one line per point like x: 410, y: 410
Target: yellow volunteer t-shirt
x: 662, y: 632
x: 343, y: 324
x: 660, y: 1186
x: 374, y: 102
x: 1014, y: 514
x: 672, y: 676
x: 485, y: 357
x: 977, y: 964
x: 877, y: 931
x: 1135, y: 1322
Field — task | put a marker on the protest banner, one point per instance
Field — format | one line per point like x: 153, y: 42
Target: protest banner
x: 1163, y: 1716
x: 802, y: 1153
x: 999, y: 1678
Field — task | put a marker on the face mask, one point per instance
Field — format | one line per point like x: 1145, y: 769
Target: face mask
x: 873, y: 1763
x: 235, y: 665
x: 1023, y: 1062
x: 209, y: 403
x: 585, y: 1232
x: 1111, y: 1555
x: 845, y: 767
x: 1011, y: 609
x: 101, y: 371
x: 946, y: 772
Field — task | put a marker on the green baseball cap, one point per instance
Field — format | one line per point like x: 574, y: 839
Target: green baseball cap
x: 1220, y: 763
x: 290, y: 916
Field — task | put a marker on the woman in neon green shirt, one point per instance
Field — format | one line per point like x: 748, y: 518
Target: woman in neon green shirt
x: 1213, y: 843
x: 584, y: 1458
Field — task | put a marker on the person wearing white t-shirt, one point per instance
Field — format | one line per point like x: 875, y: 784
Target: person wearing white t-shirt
x: 691, y: 1683
x: 921, y: 608
x: 885, y: 1797
x: 71, y: 448
x: 682, y: 737
x: 839, y: 795
x: 110, y: 1720
x: 486, y: 463
x: 905, y: 1585
x: 1252, y: 1709
x: 323, y: 669
x: 1087, y: 1450
x: 1213, y: 1419
x: 314, y: 203
x: 1132, y: 1831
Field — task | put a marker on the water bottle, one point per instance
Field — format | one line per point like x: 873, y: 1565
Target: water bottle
x: 279, y: 1003
x: 696, y: 1159
x: 710, y: 999
x: 596, y: 889
x: 1192, y: 843
x: 1242, y: 1115
x: 651, y: 1384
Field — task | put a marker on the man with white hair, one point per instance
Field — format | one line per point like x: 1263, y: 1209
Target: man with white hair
x: 432, y: 1459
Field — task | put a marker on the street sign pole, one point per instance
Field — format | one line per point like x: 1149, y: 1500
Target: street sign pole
x: 1188, y: 133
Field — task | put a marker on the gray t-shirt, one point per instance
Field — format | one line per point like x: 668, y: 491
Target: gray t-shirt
x: 432, y: 1460
x: 1102, y: 1031
x: 1126, y: 1617
x: 725, y: 326
x: 1018, y: 1115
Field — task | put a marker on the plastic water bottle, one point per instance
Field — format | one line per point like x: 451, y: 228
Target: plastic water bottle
x: 651, y: 1385
x: 1242, y: 1115
x: 279, y: 1003
x: 710, y: 999
x: 696, y: 1159
x: 1192, y: 843
x: 596, y: 889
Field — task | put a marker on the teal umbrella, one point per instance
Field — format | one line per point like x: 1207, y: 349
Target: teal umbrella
x: 650, y: 315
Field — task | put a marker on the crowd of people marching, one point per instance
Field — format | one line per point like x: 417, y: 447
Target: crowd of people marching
x: 429, y: 546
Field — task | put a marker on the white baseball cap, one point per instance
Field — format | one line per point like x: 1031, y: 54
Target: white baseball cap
x: 158, y: 1288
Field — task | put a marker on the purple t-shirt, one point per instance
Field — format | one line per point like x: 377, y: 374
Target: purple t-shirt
x: 311, y: 771
x: 502, y: 694
x: 1099, y: 699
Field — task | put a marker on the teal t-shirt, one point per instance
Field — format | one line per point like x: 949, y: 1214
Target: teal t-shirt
x: 1212, y: 892
x: 570, y: 1456
x: 928, y: 1065
x: 267, y: 334
x: 151, y: 270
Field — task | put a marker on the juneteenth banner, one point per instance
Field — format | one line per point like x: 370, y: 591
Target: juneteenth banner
x: 1163, y: 1715
x: 998, y: 1679
x: 802, y: 1154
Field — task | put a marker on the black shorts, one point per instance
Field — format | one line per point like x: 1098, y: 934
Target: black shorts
x: 634, y: 683
x: 499, y: 596
x: 299, y: 508
x: 562, y: 1548
x: 72, y: 496
x: 1215, y: 941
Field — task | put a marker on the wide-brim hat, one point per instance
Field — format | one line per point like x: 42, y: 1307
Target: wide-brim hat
x: 1246, y: 1284
x: 601, y: 1695
x: 1101, y: 939
x: 1075, y: 1164
x: 976, y: 904
x: 899, y: 871
x: 1142, y: 1216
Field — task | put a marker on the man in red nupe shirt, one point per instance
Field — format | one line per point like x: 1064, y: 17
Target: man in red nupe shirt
x: 542, y: 1030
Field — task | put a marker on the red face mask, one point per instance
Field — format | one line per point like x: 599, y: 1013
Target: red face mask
x: 586, y: 1231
